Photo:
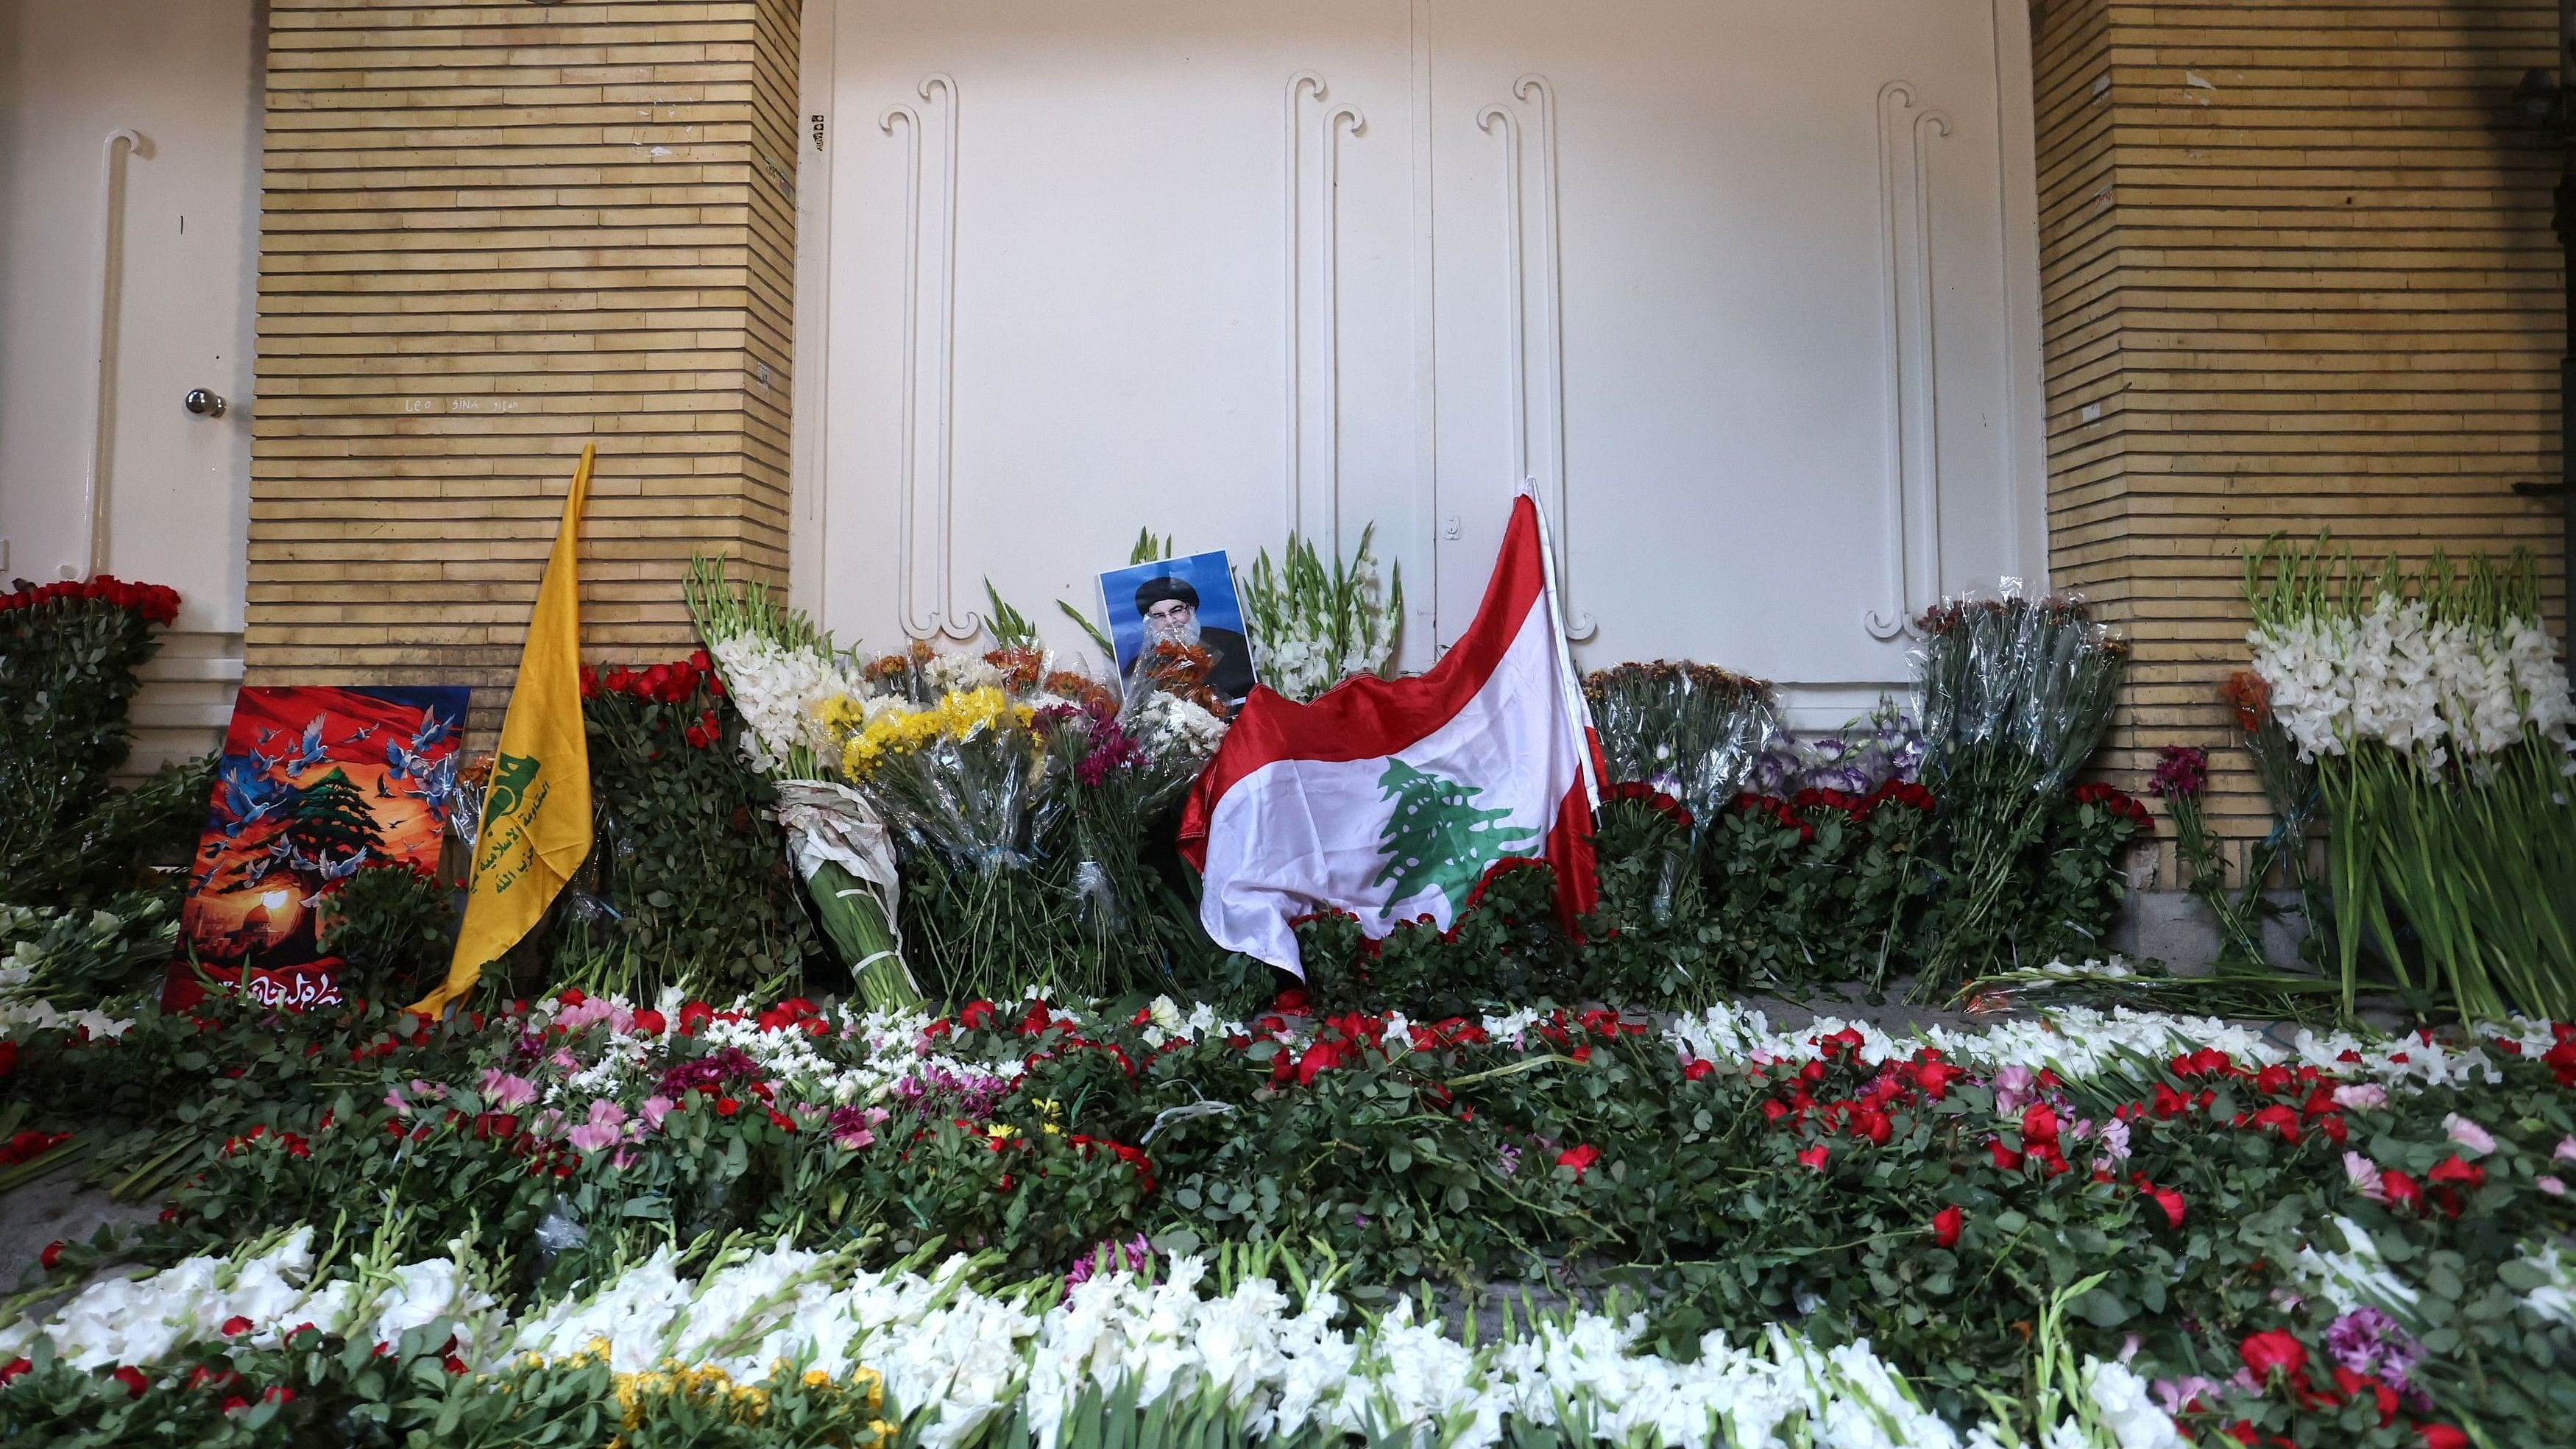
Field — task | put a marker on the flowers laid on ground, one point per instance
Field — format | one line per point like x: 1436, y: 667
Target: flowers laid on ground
x: 2437, y: 714
x: 2168, y: 1188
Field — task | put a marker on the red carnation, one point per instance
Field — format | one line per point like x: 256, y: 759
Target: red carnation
x: 1946, y: 1225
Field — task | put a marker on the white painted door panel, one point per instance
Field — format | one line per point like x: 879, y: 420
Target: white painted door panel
x: 1768, y: 264
x: 1117, y: 349
x: 1741, y: 322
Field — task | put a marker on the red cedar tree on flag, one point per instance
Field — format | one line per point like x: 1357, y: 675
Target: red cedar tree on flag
x: 1391, y: 799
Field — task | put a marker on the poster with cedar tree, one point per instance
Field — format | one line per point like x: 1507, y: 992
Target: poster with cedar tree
x: 315, y: 785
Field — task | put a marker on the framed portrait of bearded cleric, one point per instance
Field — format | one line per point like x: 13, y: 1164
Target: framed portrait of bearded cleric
x: 315, y: 785
x: 1178, y: 619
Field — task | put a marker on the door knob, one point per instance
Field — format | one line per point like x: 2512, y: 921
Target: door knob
x: 205, y: 402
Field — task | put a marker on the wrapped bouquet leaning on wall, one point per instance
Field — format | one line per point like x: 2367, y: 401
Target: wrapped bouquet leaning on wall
x: 782, y: 672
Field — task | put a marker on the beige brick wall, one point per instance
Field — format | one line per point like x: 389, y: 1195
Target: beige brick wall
x: 2295, y: 275
x: 489, y: 234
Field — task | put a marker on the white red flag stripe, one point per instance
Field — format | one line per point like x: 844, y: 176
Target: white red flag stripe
x: 1390, y: 798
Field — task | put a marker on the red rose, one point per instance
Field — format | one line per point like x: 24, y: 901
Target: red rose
x: 8, y: 1058
x: 727, y: 1106
x: 650, y: 1023
x: 2353, y: 1385
x: 2277, y: 1118
x: 1579, y: 1158
x: 233, y: 1404
x: 1318, y: 1058
x: 235, y: 1326
x: 279, y: 1394
x: 2453, y: 1170
x: 53, y: 1254
x: 13, y: 1368
x: 571, y: 996
x: 695, y: 1014
x: 2006, y: 1160
x: 2272, y: 1350
x: 2441, y: 1436
x: 1946, y: 1225
x: 2171, y: 1201
x: 1697, y: 1069
x: 133, y: 1379
x: 1813, y: 1157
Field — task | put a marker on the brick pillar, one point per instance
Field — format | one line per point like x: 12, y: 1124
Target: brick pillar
x: 2294, y: 274
x: 489, y: 234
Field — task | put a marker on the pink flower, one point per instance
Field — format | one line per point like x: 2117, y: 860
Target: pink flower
x: 603, y: 1128
x: 2551, y: 1186
x: 2012, y: 1088
x: 2365, y: 1177
x: 2566, y: 1150
x: 2468, y: 1134
x: 655, y: 1109
x: 394, y: 1099
x: 504, y: 1091
x: 2361, y: 1096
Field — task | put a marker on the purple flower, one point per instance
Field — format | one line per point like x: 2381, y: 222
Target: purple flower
x: 2182, y: 773
x: 2371, y: 1343
x: 855, y: 1127
x: 2013, y: 1088
x: 1130, y: 1256
x: 733, y: 1064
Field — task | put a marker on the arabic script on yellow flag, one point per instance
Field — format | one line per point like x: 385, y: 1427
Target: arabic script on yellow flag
x: 536, y: 811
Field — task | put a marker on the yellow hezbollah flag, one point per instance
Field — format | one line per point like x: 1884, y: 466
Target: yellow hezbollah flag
x: 536, y: 812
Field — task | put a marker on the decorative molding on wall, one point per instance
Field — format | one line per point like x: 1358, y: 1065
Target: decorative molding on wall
x: 111, y: 276
x: 1328, y: 133
x: 1293, y: 488
x: 945, y: 618
x: 1332, y: 319
x: 1534, y: 91
x: 1909, y: 381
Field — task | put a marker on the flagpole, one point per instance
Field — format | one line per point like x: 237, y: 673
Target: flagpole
x: 1566, y: 684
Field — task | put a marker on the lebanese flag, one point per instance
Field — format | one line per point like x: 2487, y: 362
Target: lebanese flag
x: 1391, y: 799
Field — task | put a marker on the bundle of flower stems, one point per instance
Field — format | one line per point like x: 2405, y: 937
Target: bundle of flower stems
x: 1693, y: 731
x: 781, y: 669
x: 2437, y: 713
x: 2014, y: 693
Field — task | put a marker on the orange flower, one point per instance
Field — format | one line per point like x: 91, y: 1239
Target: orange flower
x: 2252, y: 697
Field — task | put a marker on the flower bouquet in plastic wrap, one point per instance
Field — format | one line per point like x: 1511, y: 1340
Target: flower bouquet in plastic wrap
x: 1692, y: 731
x: 783, y: 673
x: 1024, y: 797
x: 2013, y: 694
x: 2436, y: 713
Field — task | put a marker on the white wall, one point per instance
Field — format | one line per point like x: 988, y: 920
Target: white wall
x: 185, y: 76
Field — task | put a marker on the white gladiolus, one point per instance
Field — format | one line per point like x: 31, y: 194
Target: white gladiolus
x: 780, y: 692
x: 2434, y: 690
x: 955, y: 1357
